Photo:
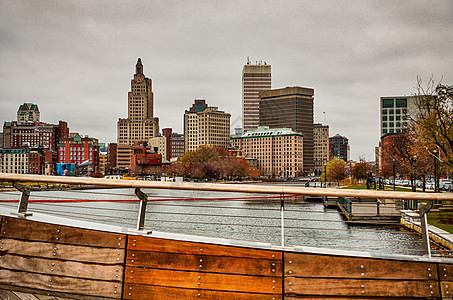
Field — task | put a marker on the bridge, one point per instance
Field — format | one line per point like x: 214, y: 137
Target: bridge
x: 43, y: 254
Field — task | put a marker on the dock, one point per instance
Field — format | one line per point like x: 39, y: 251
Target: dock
x: 369, y: 210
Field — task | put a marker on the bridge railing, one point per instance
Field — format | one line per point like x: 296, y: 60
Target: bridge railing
x: 273, y: 214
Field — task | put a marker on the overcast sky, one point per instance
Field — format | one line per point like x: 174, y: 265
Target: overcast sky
x: 75, y: 59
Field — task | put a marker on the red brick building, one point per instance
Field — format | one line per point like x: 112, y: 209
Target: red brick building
x: 144, y: 162
x: 77, y: 150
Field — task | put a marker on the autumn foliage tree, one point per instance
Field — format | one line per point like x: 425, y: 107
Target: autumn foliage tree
x: 361, y: 169
x: 212, y: 163
x: 336, y: 170
x: 434, y: 123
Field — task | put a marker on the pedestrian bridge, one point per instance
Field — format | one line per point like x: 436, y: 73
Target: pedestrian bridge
x: 42, y: 254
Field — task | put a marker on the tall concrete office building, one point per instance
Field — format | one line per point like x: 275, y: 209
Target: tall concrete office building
x: 291, y: 107
x: 206, y: 125
x: 255, y: 78
x: 396, y: 113
x: 140, y: 125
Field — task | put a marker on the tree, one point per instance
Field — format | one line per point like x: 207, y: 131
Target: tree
x: 434, y: 122
x: 361, y: 169
x: 336, y: 170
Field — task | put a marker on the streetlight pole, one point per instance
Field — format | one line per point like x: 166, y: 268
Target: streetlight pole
x: 436, y: 188
x: 394, y: 175
x: 325, y: 175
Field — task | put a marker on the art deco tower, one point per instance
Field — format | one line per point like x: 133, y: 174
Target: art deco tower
x: 255, y: 78
x: 140, y: 124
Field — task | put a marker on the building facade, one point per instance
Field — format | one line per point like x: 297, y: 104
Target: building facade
x: 291, y: 107
x: 28, y: 112
x: 321, y: 145
x: 160, y: 143
x: 111, y: 157
x: 140, y: 125
x: 396, y: 113
x: 14, y: 161
x: 78, y: 150
x: 206, y: 125
x: 278, y: 152
x: 339, y: 147
x: 33, y: 134
x: 255, y: 78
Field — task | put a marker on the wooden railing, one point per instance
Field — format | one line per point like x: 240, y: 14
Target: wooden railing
x: 48, y: 255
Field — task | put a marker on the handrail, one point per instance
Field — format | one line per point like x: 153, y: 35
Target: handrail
x: 227, y: 187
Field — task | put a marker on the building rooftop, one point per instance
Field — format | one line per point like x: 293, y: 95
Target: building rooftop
x: 265, y: 131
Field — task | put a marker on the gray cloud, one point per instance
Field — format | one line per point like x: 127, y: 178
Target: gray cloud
x: 76, y: 58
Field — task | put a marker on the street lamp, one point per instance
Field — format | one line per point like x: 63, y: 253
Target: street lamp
x: 414, y: 180
x: 325, y: 175
x: 394, y: 175
x: 436, y: 188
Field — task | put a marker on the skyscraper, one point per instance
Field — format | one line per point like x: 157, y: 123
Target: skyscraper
x: 255, y: 78
x: 290, y: 107
x: 140, y: 124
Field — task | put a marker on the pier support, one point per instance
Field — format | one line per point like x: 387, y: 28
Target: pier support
x: 23, y: 203
x: 424, y: 224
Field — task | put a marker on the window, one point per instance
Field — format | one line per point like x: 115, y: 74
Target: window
x: 391, y: 124
x: 401, y: 102
x: 387, y: 102
x: 391, y: 111
x: 398, y: 111
x: 391, y: 118
x: 384, y: 124
x: 384, y: 118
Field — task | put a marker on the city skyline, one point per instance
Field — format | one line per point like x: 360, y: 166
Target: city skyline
x: 75, y: 59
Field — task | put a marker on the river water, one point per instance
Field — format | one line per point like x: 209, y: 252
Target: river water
x: 240, y: 216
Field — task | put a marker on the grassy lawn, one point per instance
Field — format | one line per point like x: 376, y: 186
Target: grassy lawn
x: 386, y: 188
x: 442, y: 220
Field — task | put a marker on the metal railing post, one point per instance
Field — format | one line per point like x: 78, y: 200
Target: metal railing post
x: 282, y: 212
x: 424, y: 224
x: 142, y: 211
x: 23, y: 203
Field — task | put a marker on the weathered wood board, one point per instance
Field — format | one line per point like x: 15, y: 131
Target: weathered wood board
x: 162, y: 245
x: 361, y: 287
x: 324, y: 266
x: 137, y: 291
x: 44, y: 232
x: 61, y: 284
x: 204, y: 263
x: 207, y: 281
x: 72, y: 261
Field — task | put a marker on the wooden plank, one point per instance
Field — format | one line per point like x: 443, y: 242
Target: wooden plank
x: 204, y: 263
x: 61, y: 267
x: 138, y: 291
x: 446, y: 272
x: 23, y: 293
x: 446, y: 288
x: 61, y: 284
x: 163, y: 245
x: 62, y: 251
x: 324, y: 266
x: 45, y: 232
x: 361, y: 288
x: 223, y: 187
x: 208, y: 281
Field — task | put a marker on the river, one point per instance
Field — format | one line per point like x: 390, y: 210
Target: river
x: 240, y: 216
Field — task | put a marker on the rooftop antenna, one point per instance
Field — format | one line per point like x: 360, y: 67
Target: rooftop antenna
x: 248, y: 60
